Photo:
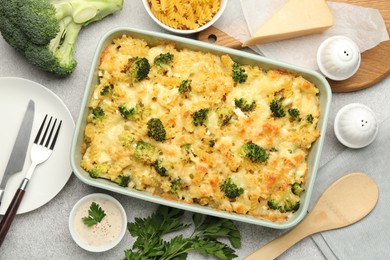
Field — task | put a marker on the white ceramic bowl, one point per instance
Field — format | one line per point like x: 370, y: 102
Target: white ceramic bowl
x: 178, y: 31
x: 93, y: 198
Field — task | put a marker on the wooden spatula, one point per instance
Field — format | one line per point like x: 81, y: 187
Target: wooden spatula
x: 346, y: 201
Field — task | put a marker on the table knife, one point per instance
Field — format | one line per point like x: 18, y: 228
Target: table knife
x: 18, y: 154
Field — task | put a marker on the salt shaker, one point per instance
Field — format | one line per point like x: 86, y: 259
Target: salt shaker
x: 355, y: 125
x: 338, y: 57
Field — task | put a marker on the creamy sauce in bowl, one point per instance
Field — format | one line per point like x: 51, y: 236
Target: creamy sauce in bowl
x: 103, y: 235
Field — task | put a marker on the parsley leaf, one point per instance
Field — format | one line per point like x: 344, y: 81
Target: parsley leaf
x: 149, y: 243
x: 96, y: 214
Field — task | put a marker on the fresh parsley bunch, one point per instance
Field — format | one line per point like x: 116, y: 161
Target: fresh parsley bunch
x: 150, y: 245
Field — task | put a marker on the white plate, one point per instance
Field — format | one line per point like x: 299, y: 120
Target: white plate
x: 51, y: 176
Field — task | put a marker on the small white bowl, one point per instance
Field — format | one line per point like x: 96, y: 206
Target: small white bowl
x: 179, y: 31
x: 355, y: 125
x: 86, y: 202
x: 338, y: 57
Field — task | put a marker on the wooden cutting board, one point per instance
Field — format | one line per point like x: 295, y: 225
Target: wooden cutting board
x: 375, y: 62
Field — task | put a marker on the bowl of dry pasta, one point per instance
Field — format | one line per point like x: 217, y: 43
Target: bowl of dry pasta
x: 185, y: 16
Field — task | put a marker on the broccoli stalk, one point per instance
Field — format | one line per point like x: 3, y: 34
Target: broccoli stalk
x: 46, y: 31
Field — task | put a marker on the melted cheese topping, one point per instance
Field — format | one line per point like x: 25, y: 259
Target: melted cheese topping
x: 201, y: 167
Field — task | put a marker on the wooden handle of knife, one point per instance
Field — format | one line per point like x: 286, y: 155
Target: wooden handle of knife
x: 10, y: 214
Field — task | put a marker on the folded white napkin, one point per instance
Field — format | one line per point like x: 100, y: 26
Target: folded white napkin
x: 368, y: 238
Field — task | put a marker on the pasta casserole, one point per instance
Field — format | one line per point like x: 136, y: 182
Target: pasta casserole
x: 201, y: 128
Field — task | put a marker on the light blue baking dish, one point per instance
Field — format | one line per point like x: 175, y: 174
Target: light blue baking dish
x: 240, y: 56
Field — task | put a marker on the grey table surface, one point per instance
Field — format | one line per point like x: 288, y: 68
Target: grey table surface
x: 43, y: 233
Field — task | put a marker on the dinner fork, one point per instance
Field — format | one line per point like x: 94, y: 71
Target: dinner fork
x: 41, y: 150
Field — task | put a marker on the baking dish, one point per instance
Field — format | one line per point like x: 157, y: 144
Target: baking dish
x: 242, y: 57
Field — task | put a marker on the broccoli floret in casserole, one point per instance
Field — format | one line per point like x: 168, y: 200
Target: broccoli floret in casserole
x: 277, y: 108
x: 157, y: 165
x: 107, y: 89
x: 185, y: 86
x: 122, y: 180
x: 156, y: 130
x: 176, y: 185
x: 132, y: 114
x: 97, y: 113
x: 294, y: 113
x: 45, y: 31
x: 254, y: 152
x: 163, y: 59
x: 146, y: 152
x: 297, y: 188
x: 244, y: 105
x: 98, y: 170
x: 238, y: 74
x: 137, y: 69
x: 231, y: 189
x: 310, y: 119
x: 224, y: 115
x: 200, y: 117
x: 284, y: 201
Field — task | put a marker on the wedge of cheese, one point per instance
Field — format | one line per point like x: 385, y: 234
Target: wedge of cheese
x: 296, y: 18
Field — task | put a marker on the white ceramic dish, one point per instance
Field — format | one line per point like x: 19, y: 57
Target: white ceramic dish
x: 241, y: 57
x: 178, y: 31
x: 93, y: 198
x: 50, y: 177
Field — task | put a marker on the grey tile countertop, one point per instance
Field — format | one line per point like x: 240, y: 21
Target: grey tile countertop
x: 43, y: 233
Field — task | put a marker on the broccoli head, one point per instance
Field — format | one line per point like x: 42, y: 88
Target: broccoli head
x: 122, y: 180
x: 200, y: 117
x: 45, y: 31
x: 185, y: 86
x: 137, y: 69
x: 294, y: 113
x: 156, y: 129
x: 231, y: 189
x: 157, y: 165
x: 244, y: 105
x: 238, y: 74
x: 176, y: 185
x: 145, y: 152
x: 224, y: 115
x: 277, y: 108
x: 254, y: 152
x: 297, y: 188
x: 284, y: 201
x: 163, y: 59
